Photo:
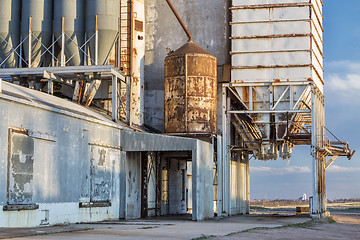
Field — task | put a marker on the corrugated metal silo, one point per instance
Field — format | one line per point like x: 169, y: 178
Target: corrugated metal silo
x: 73, y: 12
x: 108, y: 12
x: 190, y: 90
x: 41, y: 26
x: 10, y: 31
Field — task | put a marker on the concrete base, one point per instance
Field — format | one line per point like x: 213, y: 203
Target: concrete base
x: 320, y: 216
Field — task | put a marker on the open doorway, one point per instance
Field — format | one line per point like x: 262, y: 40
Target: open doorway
x: 165, y: 184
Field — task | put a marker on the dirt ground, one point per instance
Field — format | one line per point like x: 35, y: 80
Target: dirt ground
x: 347, y: 226
x: 345, y: 223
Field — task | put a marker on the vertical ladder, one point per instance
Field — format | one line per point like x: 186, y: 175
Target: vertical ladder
x: 125, y: 36
x: 124, y: 63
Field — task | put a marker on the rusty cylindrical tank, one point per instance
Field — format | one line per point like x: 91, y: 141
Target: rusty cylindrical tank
x: 190, y: 90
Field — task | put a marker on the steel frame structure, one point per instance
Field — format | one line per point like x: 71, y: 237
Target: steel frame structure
x: 61, y: 72
x: 303, y: 114
x: 74, y: 76
x: 50, y: 50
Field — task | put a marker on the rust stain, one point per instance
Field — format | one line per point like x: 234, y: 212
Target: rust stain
x: 190, y: 91
x: 278, y: 5
x: 291, y: 35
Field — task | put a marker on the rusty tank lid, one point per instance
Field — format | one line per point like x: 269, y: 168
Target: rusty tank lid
x: 189, y: 48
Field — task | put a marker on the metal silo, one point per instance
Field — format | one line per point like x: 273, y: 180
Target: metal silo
x: 9, y: 31
x: 73, y: 12
x: 190, y: 90
x: 108, y: 12
x: 276, y: 63
x: 40, y: 12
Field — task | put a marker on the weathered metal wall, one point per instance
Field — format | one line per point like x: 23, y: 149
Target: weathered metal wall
x: 209, y: 25
x: 133, y: 183
x: 57, y: 162
x: 64, y: 157
x: 279, y: 40
x: 137, y: 84
x: 190, y: 91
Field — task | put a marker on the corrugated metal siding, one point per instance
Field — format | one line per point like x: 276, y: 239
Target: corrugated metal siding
x: 277, y: 39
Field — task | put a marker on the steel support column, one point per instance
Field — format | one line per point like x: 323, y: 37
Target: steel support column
x: 220, y: 177
x: 225, y: 153
x: 115, y: 116
x: 318, y: 204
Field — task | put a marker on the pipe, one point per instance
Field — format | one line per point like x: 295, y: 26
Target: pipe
x: 180, y: 21
x: 131, y: 10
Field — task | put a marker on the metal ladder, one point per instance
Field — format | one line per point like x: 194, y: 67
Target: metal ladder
x: 125, y: 36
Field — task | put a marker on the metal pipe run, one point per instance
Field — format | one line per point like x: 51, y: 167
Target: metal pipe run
x: 180, y: 21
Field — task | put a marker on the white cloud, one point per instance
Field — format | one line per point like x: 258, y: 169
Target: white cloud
x: 345, y: 86
x: 342, y: 81
x: 280, y: 171
x: 341, y: 66
x: 337, y: 169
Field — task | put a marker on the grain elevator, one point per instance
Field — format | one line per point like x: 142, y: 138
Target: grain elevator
x: 111, y: 109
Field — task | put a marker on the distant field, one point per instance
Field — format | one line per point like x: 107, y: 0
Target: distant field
x: 291, y: 205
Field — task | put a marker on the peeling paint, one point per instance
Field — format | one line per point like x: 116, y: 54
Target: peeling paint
x: 21, y: 169
x: 190, y: 91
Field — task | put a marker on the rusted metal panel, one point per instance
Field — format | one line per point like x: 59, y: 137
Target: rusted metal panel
x: 190, y: 91
x: 174, y: 67
x: 139, y: 26
x: 175, y: 104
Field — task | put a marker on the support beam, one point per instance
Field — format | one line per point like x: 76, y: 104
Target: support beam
x: 238, y: 97
x: 63, y: 60
x: 77, y: 91
x: 115, y: 107
x: 91, y: 91
x: 247, y: 183
x: 331, y: 160
x: 30, y: 43
x: 50, y: 87
x: 225, y: 160
x: 265, y: 111
x: 56, y: 78
x: 202, y: 181
x: 220, y: 177
x: 318, y: 209
x: 96, y: 41
x: 128, y: 96
x: 118, y: 74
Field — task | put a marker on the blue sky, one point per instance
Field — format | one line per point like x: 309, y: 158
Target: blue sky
x: 290, y: 179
